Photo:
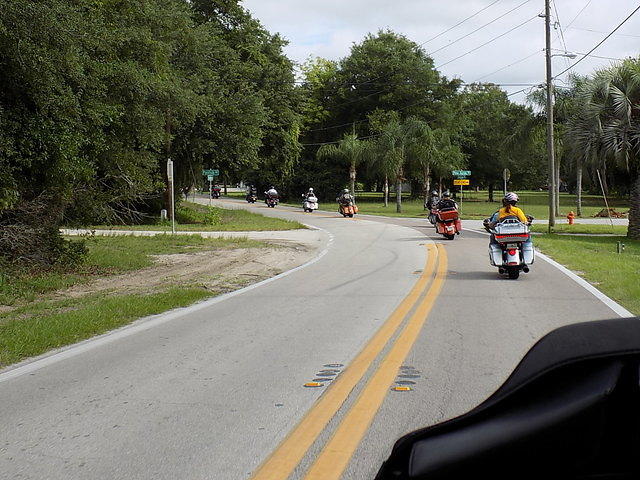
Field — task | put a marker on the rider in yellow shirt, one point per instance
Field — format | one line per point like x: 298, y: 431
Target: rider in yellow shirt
x: 509, y: 209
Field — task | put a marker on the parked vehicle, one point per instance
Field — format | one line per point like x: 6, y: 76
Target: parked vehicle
x: 310, y: 204
x: 448, y: 222
x: 510, y: 248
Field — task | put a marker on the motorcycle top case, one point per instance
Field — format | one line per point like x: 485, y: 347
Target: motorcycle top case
x: 448, y: 215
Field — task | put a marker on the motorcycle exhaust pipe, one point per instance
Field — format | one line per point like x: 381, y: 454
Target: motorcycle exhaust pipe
x: 525, y: 269
x: 500, y: 270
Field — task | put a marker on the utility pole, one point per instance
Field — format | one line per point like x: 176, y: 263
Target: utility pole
x: 550, y: 152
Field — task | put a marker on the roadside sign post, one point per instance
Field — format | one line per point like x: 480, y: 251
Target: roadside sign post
x: 210, y: 173
x: 171, y: 199
x: 461, y: 180
x: 506, y: 175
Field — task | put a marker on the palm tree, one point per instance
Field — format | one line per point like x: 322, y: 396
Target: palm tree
x: 350, y: 150
x: 607, y: 126
x: 399, y: 144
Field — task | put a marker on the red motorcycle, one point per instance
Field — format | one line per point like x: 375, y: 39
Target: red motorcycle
x: 448, y: 222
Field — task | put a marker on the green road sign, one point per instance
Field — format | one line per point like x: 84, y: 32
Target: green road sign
x: 214, y: 173
x: 209, y: 177
x: 461, y: 173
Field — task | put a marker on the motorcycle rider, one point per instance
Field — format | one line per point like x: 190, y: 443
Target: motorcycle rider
x: 433, y: 200
x: 345, y: 198
x: 309, y: 194
x: 446, y: 202
x: 508, y: 209
x: 271, y: 193
x: 252, y: 191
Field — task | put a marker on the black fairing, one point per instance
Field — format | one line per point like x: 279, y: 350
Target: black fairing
x: 570, y: 409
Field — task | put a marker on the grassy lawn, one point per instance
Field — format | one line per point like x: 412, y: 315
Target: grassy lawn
x: 582, y: 228
x: 595, y: 259
x: 33, y: 319
x: 196, y: 217
x: 475, y: 205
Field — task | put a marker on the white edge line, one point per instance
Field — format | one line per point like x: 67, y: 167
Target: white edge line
x: 609, y: 302
x: 144, y: 323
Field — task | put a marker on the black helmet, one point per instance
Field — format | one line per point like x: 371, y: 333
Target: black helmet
x: 446, y: 194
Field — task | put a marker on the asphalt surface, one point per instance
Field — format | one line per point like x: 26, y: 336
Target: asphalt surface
x: 212, y: 392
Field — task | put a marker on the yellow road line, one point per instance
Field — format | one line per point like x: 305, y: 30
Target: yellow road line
x: 337, y: 453
x: 293, y: 448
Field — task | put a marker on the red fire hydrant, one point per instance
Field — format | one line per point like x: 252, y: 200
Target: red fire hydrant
x: 570, y: 217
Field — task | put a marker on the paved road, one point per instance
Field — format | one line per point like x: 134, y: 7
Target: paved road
x: 217, y: 392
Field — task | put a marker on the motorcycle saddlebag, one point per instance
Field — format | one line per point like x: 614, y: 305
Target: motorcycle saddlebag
x: 528, y: 252
x: 495, y: 255
x: 355, y: 208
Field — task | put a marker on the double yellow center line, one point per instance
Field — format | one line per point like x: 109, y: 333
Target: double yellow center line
x: 336, y: 454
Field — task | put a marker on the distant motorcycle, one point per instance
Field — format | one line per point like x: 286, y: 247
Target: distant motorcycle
x: 447, y: 222
x: 215, y: 192
x: 348, y: 209
x: 252, y: 198
x: 512, y: 251
x: 310, y: 204
x: 271, y: 201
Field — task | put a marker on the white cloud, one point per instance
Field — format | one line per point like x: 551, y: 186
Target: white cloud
x: 328, y: 29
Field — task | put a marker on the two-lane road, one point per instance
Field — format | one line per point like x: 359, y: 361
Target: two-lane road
x: 217, y: 392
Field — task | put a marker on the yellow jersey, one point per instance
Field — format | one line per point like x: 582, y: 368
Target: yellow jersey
x: 513, y: 211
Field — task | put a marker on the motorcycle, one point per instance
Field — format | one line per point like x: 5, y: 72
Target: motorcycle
x: 271, y: 201
x: 433, y: 216
x: 252, y: 198
x: 448, y: 223
x: 348, y: 209
x: 215, y: 193
x: 512, y: 251
x: 310, y: 204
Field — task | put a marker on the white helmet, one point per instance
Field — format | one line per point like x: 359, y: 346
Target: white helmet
x: 310, y: 189
x: 511, y: 197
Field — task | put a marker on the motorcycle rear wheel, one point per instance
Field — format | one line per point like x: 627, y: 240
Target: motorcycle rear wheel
x: 514, y: 273
x: 449, y: 237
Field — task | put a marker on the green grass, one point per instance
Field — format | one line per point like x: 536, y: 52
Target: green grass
x: 595, y: 259
x: 195, y: 217
x: 107, y: 256
x: 38, y: 322
x: 55, y: 324
x: 582, y: 228
x: 475, y: 205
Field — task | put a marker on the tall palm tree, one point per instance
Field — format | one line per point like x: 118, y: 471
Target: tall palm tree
x: 399, y: 144
x: 607, y: 126
x: 350, y: 150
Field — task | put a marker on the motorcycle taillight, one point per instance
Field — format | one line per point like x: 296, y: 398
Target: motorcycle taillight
x: 512, y: 251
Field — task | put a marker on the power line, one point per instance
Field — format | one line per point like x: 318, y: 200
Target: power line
x: 555, y: 9
x: 487, y: 43
x: 600, y: 31
x: 579, y: 13
x: 599, y: 43
x: 510, y: 65
x: 459, y: 23
x: 594, y: 56
x: 479, y: 28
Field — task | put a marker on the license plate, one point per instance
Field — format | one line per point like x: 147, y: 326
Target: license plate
x: 513, y: 245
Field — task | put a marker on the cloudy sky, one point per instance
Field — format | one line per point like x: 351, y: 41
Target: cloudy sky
x: 328, y: 28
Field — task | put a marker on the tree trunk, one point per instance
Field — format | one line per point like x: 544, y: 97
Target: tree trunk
x: 579, y: 188
x: 557, y: 185
x: 352, y: 178
x: 386, y: 191
x: 427, y: 184
x: 167, y: 148
x: 491, y: 192
x: 399, y: 195
x: 634, y: 211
